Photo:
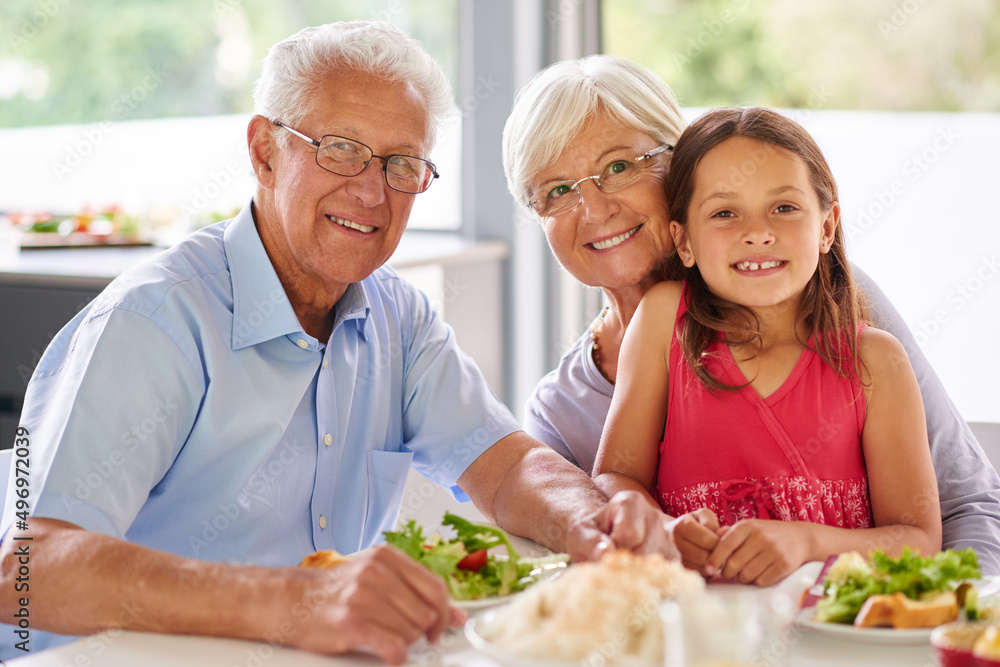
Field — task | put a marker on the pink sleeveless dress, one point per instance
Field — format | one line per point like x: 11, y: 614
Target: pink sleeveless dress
x: 792, y: 456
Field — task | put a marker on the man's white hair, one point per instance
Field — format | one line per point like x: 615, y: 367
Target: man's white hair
x: 293, y: 70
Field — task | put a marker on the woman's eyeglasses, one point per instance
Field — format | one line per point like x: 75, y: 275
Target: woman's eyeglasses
x: 559, y: 198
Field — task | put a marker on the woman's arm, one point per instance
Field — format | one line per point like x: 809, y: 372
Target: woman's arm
x: 628, y: 455
x: 968, y: 485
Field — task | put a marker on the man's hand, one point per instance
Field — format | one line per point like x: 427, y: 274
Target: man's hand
x: 695, y: 535
x: 383, y: 600
x: 627, y: 521
x: 756, y: 551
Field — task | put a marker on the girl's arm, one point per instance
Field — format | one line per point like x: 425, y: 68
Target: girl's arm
x: 901, y: 477
x: 629, y: 451
x: 901, y: 482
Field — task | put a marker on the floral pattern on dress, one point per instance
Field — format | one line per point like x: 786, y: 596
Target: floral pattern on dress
x: 844, y: 503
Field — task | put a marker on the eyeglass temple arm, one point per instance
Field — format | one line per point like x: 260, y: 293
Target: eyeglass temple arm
x: 297, y: 133
x: 655, y: 151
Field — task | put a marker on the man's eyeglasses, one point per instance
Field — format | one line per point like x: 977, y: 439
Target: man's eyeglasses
x: 346, y: 157
x: 616, y: 175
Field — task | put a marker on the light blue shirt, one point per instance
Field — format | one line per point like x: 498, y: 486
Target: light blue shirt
x: 186, y: 409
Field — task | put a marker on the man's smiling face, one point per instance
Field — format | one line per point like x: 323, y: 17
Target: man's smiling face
x: 329, y: 230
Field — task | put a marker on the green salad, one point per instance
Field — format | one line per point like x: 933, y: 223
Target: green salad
x: 465, y: 562
x: 852, y: 580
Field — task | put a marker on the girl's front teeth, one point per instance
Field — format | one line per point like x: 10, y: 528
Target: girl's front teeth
x: 755, y: 266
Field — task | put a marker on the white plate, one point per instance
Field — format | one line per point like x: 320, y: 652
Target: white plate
x: 508, y: 659
x: 505, y: 658
x: 471, y: 606
x: 849, y: 633
x: 989, y: 595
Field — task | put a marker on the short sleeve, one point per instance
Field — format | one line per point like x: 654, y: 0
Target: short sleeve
x: 107, y: 409
x: 569, y: 406
x: 450, y: 413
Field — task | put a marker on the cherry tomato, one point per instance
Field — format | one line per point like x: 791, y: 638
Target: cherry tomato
x: 474, y: 561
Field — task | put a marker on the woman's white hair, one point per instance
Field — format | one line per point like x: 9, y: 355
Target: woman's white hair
x: 552, y: 108
x: 293, y: 70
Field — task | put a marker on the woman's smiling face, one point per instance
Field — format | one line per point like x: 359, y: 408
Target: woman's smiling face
x: 610, y: 240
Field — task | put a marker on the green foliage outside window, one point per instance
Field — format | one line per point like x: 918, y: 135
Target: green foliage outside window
x: 906, y: 55
x: 85, y: 61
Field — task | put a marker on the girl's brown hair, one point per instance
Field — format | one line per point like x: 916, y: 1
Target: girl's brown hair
x: 831, y: 306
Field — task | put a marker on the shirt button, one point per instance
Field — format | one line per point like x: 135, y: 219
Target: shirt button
x: 326, y: 362
x: 302, y: 343
x: 322, y: 522
x: 327, y: 439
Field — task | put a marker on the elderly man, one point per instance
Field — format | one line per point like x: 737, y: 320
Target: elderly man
x: 260, y: 391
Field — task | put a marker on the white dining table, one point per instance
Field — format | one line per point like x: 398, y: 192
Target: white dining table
x: 800, y: 646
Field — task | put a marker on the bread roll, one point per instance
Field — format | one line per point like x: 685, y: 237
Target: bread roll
x: 325, y: 559
x: 898, y: 611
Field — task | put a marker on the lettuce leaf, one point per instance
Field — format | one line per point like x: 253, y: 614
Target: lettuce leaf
x: 501, y: 575
x: 477, y: 536
x: 410, y: 539
x: 848, y: 586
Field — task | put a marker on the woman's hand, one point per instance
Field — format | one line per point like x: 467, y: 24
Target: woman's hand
x: 695, y: 535
x: 756, y: 551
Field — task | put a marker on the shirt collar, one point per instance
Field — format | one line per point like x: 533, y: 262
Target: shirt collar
x: 355, y: 305
x: 261, y: 310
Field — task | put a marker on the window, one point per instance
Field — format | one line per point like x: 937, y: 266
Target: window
x: 144, y: 104
x: 902, y: 99
x: 910, y: 55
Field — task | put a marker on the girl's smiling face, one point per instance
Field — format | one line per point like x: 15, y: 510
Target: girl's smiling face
x: 755, y: 226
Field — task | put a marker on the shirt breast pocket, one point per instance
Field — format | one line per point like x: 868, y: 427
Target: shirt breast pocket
x: 387, y: 473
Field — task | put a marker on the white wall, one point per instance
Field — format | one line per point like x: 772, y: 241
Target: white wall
x: 919, y: 206
x: 919, y: 197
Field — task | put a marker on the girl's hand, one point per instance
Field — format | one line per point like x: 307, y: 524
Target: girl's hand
x: 695, y: 535
x: 756, y: 551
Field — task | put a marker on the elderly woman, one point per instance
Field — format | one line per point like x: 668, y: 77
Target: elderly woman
x: 586, y: 148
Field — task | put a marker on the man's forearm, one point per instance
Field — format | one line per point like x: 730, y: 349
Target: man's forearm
x: 84, y: 582
x: 543, y: 495
x: 531, y: 491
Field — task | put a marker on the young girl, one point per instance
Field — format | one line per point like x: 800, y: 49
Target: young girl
x: 752, y: 401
